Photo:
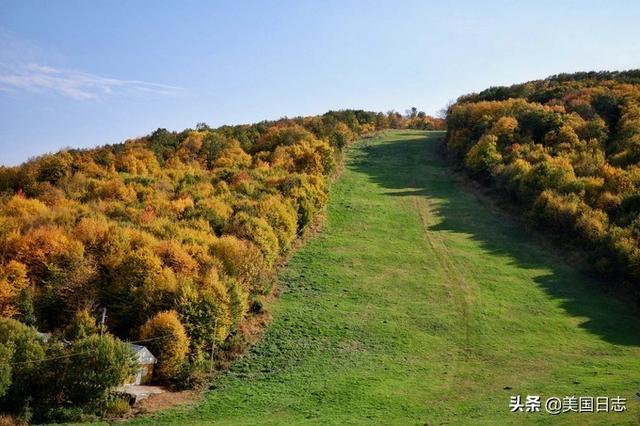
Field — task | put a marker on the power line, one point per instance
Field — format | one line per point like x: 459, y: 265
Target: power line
x: 87, y: 352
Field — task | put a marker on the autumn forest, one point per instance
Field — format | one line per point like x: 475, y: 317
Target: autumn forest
x: 566, y: 152
x: 174, y: 240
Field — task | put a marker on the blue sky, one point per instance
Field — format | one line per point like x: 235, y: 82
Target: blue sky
x: 85, y: 73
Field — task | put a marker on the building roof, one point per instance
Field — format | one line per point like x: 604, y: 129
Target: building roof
x: 143, y: 354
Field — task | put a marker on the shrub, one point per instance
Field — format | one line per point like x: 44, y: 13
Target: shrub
x: 556, y: 210
x: 616, y: 180
x: 283, y: 136
x: 215, y: 211
x: 81, y: 326
x: 181, y: 205
x: 170, y: 343
x: 238, y: 301
x: 114, y: 190
x: 29, y: 212
x: 9, y: 420
x: 26, y: 350
x: 483, y: 156
x: 592, y: 225
x: 281, y: 215
x: 553, y: 173
x: 241, y: 259
x: 65, y: 415
x: 6, y: 355
x: 504, y: 129
x: 205, y: 313
x: 53, y: 168
x: 308, y: 194
x: 115, y: 407
x: 193, y: 373
x: 258, y: 231
x: 48, y: 246
x: 105, y: 362
x: 342, y: 135
x: 233, y: 157
x: 13, y: 280
x: 511, y: 176
x: 311, y: 157
x: 176, y: 257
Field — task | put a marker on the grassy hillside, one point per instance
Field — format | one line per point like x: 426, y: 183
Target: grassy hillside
x: 417, y: 304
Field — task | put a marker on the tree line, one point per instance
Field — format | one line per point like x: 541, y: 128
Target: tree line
x: 566, y: 152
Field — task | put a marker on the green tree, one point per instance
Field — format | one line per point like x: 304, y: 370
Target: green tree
x: 483, y: 156
x: 6, y: 355
x: 53, y: 168
x: 205, y: 314
x: 24, y: 305
x: 101, y: 364
x: 27, y: 354
x: 82, y: 325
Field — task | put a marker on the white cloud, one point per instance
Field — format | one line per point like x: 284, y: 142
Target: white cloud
x: 36, y: 78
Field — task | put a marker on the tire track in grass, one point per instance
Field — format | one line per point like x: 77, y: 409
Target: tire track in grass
x: 460, y: 289
x: 463, y: 291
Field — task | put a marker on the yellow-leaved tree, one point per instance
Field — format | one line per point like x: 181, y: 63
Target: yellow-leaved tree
x: 13, y: 279
x: 167, y: 339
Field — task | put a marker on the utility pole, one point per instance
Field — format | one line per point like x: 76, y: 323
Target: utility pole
x: 213, y: 346
x: 104, y: 318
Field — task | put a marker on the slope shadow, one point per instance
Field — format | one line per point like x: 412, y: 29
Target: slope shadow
x: 390, y: 164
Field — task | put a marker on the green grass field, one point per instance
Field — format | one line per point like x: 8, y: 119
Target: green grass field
x: 418, y: 304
